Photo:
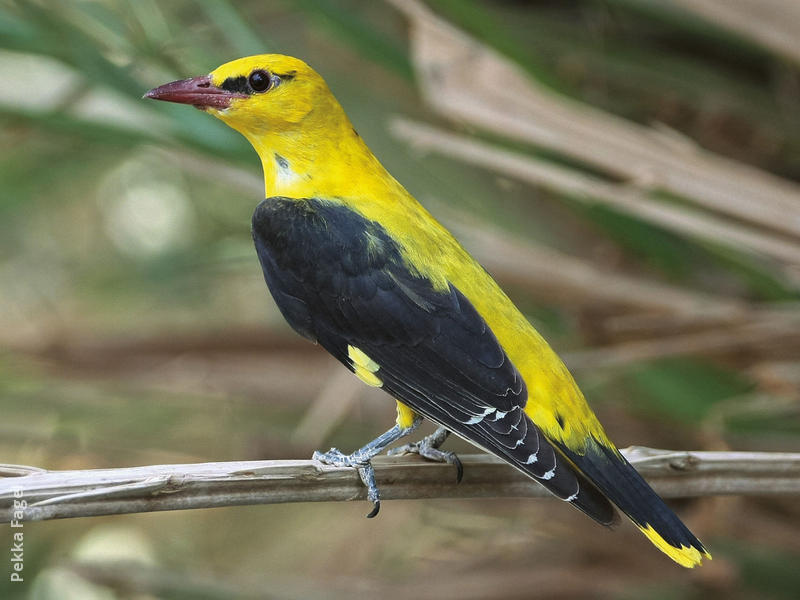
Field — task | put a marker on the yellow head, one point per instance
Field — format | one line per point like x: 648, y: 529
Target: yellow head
x: 279, y: 95
x: 286, y: 111
x: 258, y: 95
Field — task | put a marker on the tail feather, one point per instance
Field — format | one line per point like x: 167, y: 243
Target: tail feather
x: 565, y: 482
x: 535, y: 455
x: 621, y: 483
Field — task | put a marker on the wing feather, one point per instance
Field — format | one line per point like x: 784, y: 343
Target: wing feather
x: 342, y: 281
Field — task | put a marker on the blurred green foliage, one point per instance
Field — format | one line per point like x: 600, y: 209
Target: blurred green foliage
x: 82, y: 149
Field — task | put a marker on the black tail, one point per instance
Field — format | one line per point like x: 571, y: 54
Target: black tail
x: 621, y: 483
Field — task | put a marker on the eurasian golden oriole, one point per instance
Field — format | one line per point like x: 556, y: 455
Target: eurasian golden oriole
x: 357, y: 265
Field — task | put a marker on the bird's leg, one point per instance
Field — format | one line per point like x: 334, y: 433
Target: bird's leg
x: 428, y: 447
x: 362, y: 460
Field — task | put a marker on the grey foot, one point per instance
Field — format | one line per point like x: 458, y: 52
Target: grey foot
x: 366, y: 472
x: 361, y: 460
x: 428, y: 447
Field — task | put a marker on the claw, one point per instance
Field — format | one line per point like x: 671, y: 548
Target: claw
x: 367, y: 474
x: 459, y: 467
x: 365, y: 471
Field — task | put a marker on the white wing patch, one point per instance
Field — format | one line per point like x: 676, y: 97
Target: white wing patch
x: 479, y: 418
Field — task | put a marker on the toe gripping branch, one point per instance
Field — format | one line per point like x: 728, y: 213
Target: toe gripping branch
x: 428, y: 447
x: 362, y: 460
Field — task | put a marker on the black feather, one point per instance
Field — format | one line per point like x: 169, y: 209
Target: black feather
x: 340, y: 279
x: 622, y: 484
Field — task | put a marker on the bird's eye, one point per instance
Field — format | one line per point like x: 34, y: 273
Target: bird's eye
x: 260, y: 81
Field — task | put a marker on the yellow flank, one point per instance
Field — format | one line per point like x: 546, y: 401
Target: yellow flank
x: 364, y: 367
x: 685, y: 556
x: 405, y: 416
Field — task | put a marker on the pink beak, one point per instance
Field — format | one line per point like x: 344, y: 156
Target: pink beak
x: 197, y: 91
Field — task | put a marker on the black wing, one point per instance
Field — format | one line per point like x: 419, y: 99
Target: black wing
x: 339, y: 279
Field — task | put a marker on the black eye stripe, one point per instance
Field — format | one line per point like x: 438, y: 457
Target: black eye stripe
x: 237, y: 85
x: 241, y: 85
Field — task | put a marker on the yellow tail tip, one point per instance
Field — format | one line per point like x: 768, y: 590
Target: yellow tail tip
x: 685, y: 556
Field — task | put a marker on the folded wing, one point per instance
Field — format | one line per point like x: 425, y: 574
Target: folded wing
x: 339, y: 279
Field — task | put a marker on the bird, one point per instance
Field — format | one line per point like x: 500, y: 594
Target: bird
x: 358, y: 266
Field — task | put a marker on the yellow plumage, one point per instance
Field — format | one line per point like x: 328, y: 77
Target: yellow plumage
x: 405, y: 415
x: 364, y: 367
x: 685, y: 556
x: 339, y: 165
x: 309, y: 150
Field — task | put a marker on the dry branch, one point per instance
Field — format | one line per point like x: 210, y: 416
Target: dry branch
x: 763, y: 335
x: 549, y: 272
x: 590, y: 189
x: 62, y: 494
x: 772, y: 23
x: 447, y: 60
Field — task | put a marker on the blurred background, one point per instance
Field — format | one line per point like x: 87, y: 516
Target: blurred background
x: 627, y: 169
